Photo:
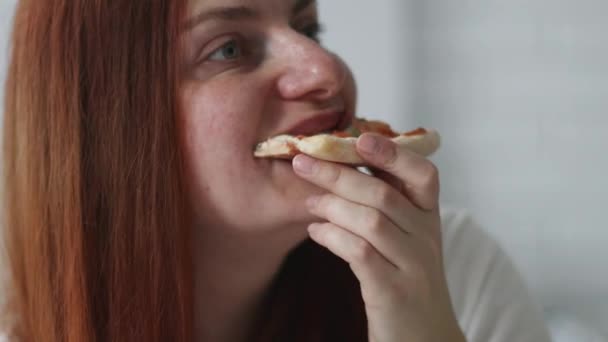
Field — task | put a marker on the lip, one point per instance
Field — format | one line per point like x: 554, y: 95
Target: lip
x: 318, y: 123
x: 347, y: 119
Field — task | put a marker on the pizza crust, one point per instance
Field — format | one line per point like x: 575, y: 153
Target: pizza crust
x: 337, y: 149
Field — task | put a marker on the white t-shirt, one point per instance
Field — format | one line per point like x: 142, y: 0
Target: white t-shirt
x: 490, y: 298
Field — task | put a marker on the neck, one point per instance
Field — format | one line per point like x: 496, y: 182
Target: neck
x: 232, y: 276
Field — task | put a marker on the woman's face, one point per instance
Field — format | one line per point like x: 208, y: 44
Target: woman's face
x: 252, y: 70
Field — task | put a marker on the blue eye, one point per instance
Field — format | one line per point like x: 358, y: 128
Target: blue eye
x: 227, y: 52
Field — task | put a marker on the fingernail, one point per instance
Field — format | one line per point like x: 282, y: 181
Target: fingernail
x: 304, y: 164
x: 369, y: 144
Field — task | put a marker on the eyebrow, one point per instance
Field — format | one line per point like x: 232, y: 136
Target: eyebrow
x: 238, y: 13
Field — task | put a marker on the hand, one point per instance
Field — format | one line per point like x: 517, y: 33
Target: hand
x: 388, y: 229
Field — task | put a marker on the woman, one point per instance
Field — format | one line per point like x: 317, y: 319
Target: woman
x: 135, y: 210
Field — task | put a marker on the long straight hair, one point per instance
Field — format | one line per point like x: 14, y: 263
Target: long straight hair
x: 96, y: 222
x: 96, y: 229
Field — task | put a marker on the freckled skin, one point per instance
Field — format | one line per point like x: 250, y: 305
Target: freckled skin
x: 258, y: 78
x: 228, y: 109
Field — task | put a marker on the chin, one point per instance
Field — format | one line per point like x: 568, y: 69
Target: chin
x: 288, y: 192
x: 296, y: 212
x: 280, y: 174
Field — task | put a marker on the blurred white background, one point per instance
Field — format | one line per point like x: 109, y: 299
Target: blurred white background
x: 519, y: 90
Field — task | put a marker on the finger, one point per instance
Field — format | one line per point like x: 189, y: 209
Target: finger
x: 390, y: 179
x: 374, y: 272
x: 368, y: 223
x: 356, y: 187
x: 419, y: 176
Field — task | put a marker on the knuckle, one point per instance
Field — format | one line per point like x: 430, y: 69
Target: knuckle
x: 430, y: 171
x: 374, y: 221
x: 429, y: 175
x: 382, y: 195
x: 323, y: 202
x: 331, y: 207
x: 330, y: 174
x: 363, y: 252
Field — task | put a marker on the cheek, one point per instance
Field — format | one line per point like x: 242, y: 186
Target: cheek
x: 216, y: 132
x: 222, y: 114
x: 219, y: 131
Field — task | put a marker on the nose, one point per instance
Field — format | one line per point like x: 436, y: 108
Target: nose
x: 309, y: 70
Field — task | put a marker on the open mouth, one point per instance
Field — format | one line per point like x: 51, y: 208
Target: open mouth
x: 328, y: 123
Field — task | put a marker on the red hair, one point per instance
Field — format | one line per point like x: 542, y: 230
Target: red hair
x: 97, y: 227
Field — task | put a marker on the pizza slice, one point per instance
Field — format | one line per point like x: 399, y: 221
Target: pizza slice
x: 340, y: 146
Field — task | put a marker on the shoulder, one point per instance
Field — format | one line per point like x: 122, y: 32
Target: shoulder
x: 459, y: 228
x: 470, y: 255
x: 490, y: 297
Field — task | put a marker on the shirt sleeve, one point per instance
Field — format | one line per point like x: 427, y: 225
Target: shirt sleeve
x: 490, y: 298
